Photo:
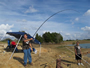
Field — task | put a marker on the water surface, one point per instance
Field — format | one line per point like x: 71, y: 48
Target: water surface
x: 86, y: 45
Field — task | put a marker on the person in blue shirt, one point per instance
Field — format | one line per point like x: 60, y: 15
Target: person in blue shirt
x: 8, y: 43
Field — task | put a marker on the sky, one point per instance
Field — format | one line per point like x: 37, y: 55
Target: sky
x: 28, y: 15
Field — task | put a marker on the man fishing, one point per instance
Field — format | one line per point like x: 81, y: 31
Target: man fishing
x: 78, y: 54
x: 26, y: 50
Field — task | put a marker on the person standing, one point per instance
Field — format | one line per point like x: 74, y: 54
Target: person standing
x: 78, y: 54
x: 26, y: 50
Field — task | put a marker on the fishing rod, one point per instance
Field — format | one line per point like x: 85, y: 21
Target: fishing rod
x: 51, y: 17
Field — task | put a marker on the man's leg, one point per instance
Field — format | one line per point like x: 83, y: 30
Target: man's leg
x: 77, y: 61
x: 25, y: 56
x: 80, y: 61
x: 29, y: 56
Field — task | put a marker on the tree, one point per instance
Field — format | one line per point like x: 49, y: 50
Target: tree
x: 52, y: 37
x: 6, y: 39
x: 47, y: 37
x: 39, y: 38
x: 21, y: 31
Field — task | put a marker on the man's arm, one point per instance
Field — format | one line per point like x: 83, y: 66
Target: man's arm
x: 80, y: 51
x: 75, y: 52
x: 30, y: 45
x: 27, y: 40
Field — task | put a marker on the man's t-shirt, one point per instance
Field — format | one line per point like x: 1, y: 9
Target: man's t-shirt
x: 77, y: 49
x: 25, y: 44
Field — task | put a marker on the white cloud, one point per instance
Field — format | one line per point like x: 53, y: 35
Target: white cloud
x: 3, y: 29
x: 23, y: 20
x: 31, y: 10
x: 87, y: 13
x: 67, y: 34
x: 86, y: 28
x: 76, y: 19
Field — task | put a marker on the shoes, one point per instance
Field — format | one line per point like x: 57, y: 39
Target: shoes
x: 25, y: 65
x: 31, y: 64
x: 79, y: 64
x: 35, y: 52
x: 82, y: 64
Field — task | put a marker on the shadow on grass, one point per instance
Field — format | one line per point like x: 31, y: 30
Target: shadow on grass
x: 68, y: 61
x: 19, y: 59
x: 11, y: 50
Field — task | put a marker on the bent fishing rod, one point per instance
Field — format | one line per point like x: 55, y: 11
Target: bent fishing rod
x: 51, y: 17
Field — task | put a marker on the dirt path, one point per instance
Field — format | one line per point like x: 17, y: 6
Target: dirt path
x: 48, y: 57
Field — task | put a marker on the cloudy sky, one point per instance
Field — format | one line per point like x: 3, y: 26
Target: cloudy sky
x: 28, y: 15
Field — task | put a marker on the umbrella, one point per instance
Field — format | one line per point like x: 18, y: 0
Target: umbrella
x: 18, y: 34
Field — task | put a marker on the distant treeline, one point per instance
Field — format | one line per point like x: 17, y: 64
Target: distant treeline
x: 86, y: 39
x: 48, y: 37
x: 76, y: 39
x: 5, y: 40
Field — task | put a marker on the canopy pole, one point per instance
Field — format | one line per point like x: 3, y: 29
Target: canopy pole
x: 40, y: 50
x: 15, y: 47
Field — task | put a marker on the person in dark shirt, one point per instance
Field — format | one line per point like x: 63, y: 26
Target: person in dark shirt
x: 78, y: 53
x: 26, y: 50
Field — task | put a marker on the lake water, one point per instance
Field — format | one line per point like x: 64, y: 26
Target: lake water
x: 86, y: 45
x: 88, y: 55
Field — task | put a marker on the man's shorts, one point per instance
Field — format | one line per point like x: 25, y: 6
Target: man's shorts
x: 78, y: 57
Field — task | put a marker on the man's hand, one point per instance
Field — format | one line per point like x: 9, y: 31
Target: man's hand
x: 76, y: 53
x: 31, y: 49
x: 31, y: 39
x: 81, y: 53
